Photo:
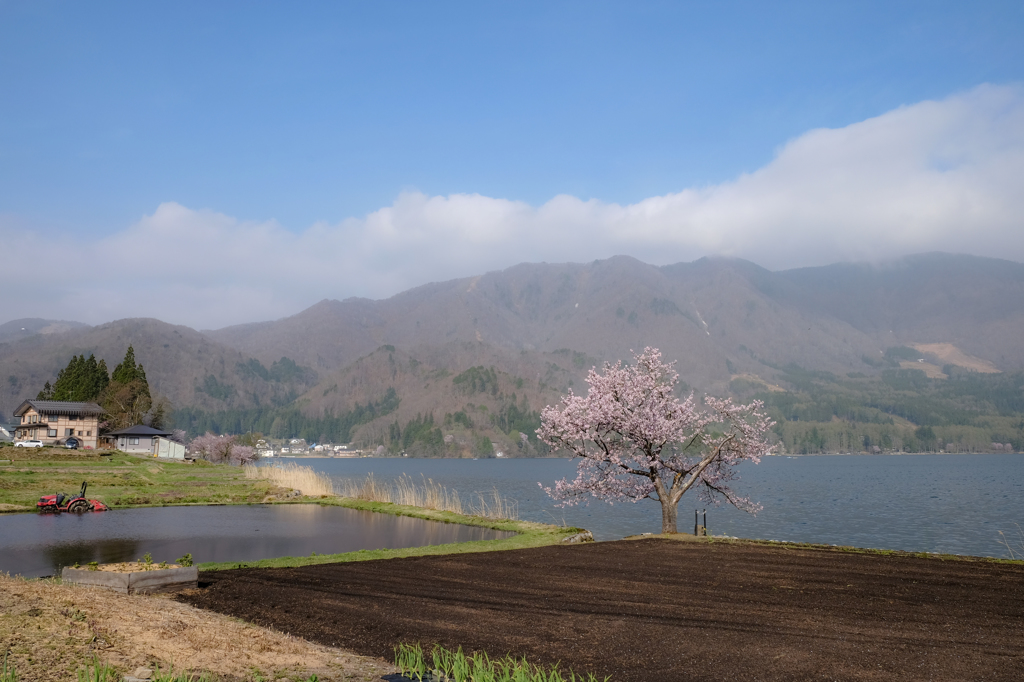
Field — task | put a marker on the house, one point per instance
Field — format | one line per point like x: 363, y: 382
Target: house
x: 54, y: 421
x: 141, y: 439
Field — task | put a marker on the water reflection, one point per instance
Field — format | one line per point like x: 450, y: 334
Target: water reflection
x: 102, y: 551
x: 37, y: 545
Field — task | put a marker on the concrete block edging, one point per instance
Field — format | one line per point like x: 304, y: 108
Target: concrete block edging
x: 139, y: 582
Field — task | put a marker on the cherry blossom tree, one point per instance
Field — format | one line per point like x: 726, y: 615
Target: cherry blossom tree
x: 636, y: 440
x: 219, y: 449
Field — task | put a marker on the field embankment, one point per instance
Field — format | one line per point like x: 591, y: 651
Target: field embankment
x: 527, y: 534
x: 121, y: 480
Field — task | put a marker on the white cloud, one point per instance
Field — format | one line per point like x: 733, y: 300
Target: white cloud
x: 945, y: 175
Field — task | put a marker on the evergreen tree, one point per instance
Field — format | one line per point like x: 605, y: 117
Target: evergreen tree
x: 101, y: 377
x: 81, y: 381
x: 126, y: 398
x: 126, y: 372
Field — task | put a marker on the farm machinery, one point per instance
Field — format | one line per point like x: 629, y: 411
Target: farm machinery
x: 75, y: 504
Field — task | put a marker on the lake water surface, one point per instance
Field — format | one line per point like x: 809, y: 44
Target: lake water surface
x: 40, y: 544
x: 930, y: 503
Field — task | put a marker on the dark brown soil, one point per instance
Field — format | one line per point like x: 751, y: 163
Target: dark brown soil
x: 660, y: 610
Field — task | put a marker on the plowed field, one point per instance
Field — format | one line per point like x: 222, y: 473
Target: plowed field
x: 660, y: 610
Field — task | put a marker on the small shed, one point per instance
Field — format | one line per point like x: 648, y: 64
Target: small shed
x: 139, y: 439
x: 169, y: 449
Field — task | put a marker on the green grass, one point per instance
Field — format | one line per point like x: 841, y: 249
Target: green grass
x: 847, y: 549
x: 528, y: 534
x: 456, y: 666
x: 121, y: 481
x: 97, y: 672
x: 7, y: 671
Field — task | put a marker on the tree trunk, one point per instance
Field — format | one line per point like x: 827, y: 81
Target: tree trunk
x: 669, y: 516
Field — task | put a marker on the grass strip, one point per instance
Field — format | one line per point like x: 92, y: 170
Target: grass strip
x: 848, y: 549
x: 456, y: 666
x: 528, y: 534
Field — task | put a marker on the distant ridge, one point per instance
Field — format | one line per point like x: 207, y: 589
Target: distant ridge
x: 532, y: 331
x: 30, y: 326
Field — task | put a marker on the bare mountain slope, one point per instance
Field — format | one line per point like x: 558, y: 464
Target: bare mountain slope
x: 717, y: 317
x: 708, y: 315
x: 181, y: 364
x: 974, y: 303
x: 541, y: 326
x: 30, y: 326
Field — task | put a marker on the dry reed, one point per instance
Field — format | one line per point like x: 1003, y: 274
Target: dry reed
x: 291, y: 475
x: 1014, y: 545
x: 403, y: 490
x: 429, y: 495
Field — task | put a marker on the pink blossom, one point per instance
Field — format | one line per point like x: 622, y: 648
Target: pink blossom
x: 636, y: 440
x: 221, y: 449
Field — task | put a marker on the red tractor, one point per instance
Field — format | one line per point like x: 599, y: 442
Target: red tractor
x: 76, y: 504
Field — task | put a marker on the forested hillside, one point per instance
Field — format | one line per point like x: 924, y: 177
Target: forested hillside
x: 919, y: 354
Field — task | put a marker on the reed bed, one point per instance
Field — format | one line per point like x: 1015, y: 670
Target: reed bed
x: 429, y: 495
x: 404, y: 490
x: 455, y: 666
x: 291, y: 475
x: 1015, y: 545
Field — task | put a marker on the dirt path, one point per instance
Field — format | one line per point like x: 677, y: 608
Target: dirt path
x: 660, y: 610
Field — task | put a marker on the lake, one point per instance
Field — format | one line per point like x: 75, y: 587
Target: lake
x: 40, y: 544
x: 929, y: 503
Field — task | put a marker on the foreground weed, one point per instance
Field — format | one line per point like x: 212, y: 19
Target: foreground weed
x: 99, y: 672
x: 409, y: 661
x: 456, y: 666
x: 8, y: 674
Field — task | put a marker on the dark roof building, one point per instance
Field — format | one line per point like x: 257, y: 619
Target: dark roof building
x: 59, y: 407
x: 55, y: 421
x: 140, y: 439
x: 140, y: 430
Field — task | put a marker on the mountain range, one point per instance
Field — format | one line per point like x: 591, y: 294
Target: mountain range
x: 465, y: 346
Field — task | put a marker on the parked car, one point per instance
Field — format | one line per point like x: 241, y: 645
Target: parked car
x: 29, y: 444
x: 71, y: 443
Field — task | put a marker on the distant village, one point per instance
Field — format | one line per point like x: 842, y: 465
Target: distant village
x: 298, y: 447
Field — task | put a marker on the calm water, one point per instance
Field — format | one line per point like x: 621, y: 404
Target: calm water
x: 40, y: 544
x: 930, y: 503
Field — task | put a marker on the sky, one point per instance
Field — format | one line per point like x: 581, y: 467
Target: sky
x: 211, y: 164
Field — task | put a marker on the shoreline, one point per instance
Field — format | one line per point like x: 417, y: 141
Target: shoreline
x: 285, y: 645
x: 528, y: 534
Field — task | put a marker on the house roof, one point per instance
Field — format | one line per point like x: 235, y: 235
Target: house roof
x: 140, y: 430
x: 58, y: 407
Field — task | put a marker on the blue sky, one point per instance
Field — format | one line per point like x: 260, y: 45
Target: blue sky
x: 384, y: 145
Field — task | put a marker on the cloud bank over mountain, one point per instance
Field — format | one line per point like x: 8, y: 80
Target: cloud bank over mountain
x: 933, y: 176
